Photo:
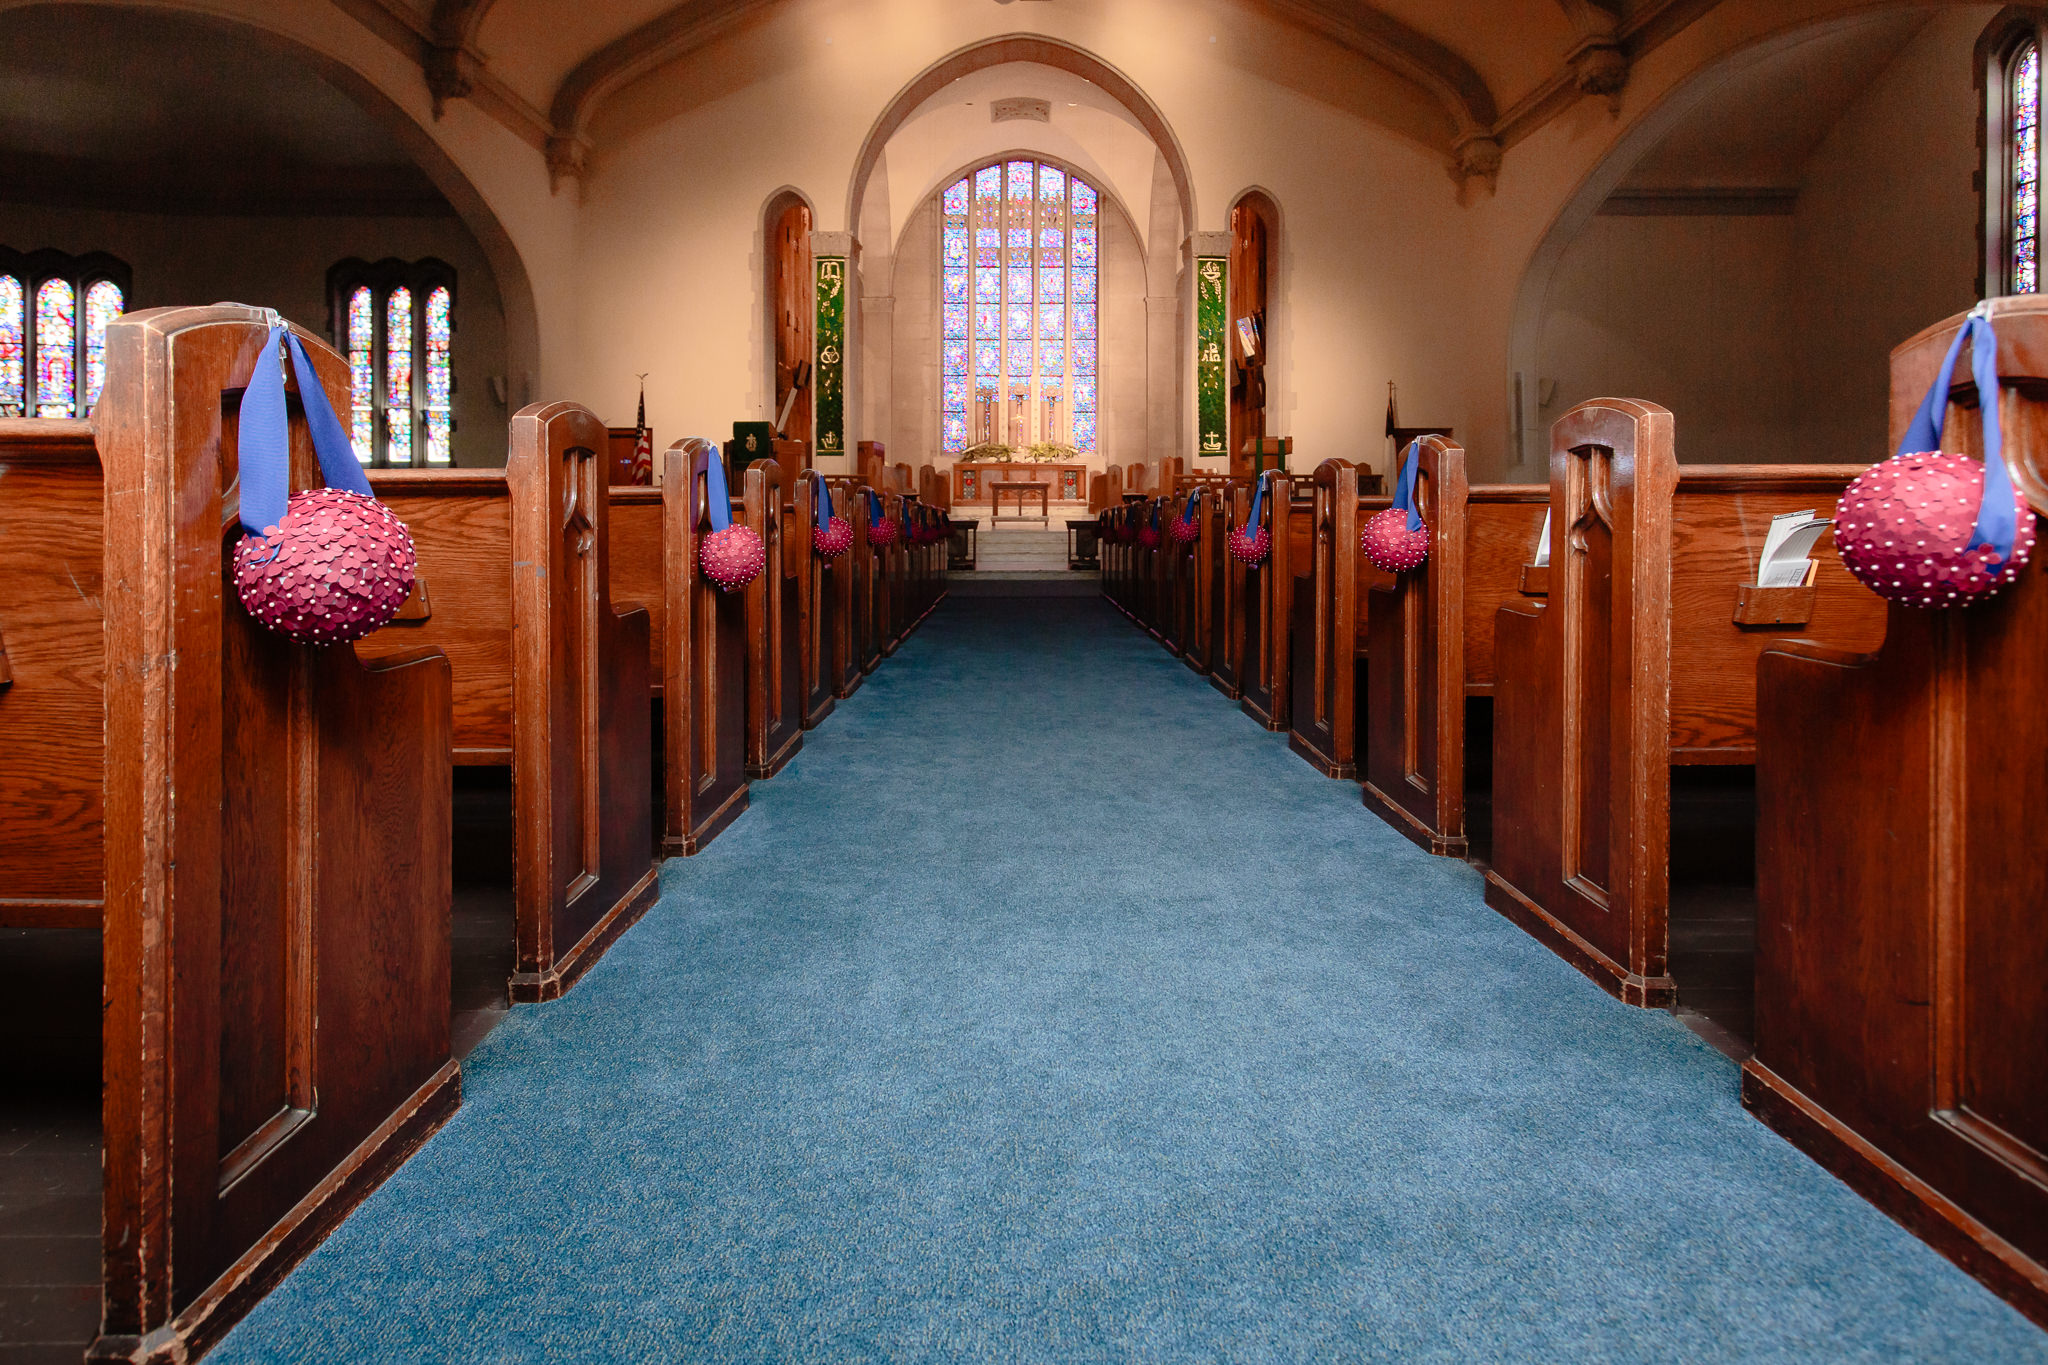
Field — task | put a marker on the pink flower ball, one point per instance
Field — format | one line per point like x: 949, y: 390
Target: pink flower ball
x: 1903, y: 529
x: 1390, y: 545
x: 734, y: 557
x: 336, y: 568
x: 834, y: 538
x: 882, y: 534
x: 1184, y: 532
x: 1249, y: 550
x: 1148, y: 537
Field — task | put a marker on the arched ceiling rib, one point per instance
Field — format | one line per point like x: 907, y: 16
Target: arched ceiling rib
x: 1584, y: 46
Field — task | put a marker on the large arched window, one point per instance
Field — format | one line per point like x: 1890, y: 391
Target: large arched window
x: 395, y: 321
x: 54, y: 311
x: 2009, y: 74
x: 1020, y: 255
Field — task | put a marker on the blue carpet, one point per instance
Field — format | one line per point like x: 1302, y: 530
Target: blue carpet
x: 1163, y: 1049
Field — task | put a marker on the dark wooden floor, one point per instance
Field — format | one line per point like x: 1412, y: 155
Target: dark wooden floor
x: 50, y: 1081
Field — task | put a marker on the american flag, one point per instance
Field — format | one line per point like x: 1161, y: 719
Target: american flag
x: 643, y: 443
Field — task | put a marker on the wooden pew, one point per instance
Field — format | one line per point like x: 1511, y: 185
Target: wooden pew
x: 1432, y: 627
x: 823, y: 583
x: 268, y: 807
x: 1323, y: 629
x: 775, y: 627
x: 550, y: 678
x: 1268, y: 606
x: 52, y: 676
x: 1902, y: 1005
x: 1634, y: 664
x: 842, y: 578
x: 1181, y: 598
x: 704, y: 666
x: 1210, y: 577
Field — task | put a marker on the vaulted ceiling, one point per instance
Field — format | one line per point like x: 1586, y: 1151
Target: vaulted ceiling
x: 1495, y: 69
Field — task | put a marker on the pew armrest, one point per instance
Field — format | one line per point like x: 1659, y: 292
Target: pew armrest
x: 626, y: 610
x: 1535, y: 580
x: 1813, y: 651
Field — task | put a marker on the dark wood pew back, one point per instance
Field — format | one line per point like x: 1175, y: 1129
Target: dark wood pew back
x: 1632, y: 664
x: 277, y: 921
x: 1268, y: 604
x: 704, y: 693
x: 821, y: 581
x: 1432, y: 629
x: 775, y: 685
x: 1323, y: 629
x: 52, y: 676
x: 1902, y: 962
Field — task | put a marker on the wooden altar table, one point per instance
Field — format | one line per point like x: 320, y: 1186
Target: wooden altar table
x: 1024, y: 492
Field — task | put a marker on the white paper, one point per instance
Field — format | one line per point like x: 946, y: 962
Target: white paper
x: 1543, y: 545
x: 1784, y: 562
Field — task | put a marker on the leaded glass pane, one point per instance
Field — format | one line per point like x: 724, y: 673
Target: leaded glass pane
x: 56, y: 324
x: 398, y: 377
x: 1020, y: 324
x: 955, y: 357
x: 2026, y: 171
x: 102, y: 306
x: 362, y: 374
x: 13, y: 345
x: 956, y: 320
x: 440, y: 412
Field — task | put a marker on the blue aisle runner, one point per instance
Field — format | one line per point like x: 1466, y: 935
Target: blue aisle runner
x: 1047, y: 1009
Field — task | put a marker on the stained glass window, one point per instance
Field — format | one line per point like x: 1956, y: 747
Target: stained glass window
x: 56, y: 349
x: 439, y: 413
x: 1018, y: 308
x: 362, y: 373
x: 13, y: 345
x: 102, y: 306
x: 395, y: 320
x: 2026, y: 169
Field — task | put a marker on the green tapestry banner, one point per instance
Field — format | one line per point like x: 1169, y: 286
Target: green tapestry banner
x: 829, y: 377
x: 1212, y: 366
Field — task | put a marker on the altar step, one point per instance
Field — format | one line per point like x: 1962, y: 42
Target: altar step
x: 1011, y: 548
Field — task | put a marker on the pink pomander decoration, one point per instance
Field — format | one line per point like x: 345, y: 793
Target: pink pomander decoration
x: 1184, y: 532
x: 834, y: 538
x: 734, y: 557
x: 1903, y: 528
x: 336, y: 568
x: 1148, y: 537
x: 882, y: 533
x: 1249, y: 550
x: 1390, y: 545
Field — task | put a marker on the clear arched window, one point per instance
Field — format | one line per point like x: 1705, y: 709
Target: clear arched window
x: 1019, y: 255
x: 54, y: 311
x: 395, y: 322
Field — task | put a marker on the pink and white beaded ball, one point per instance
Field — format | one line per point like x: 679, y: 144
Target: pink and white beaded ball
x: 1390, y: 545
x: 336, y: 568
x: 1148, y: 537
x: 1903, y: 528
x: 1185, y: 531
x: 732, y: 558
x: 834, y: 538
x: 1249, y: 550
x: 882, y: 534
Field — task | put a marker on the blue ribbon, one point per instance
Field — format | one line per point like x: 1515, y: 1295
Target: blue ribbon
x: 1404, y: 492
x: 1997, y: 517
x: 1194, y: 500
x: 824, y: 501
x: 874, y: 509
x: 715, y: 491
x: 1258, y: 500
x: 265, y: 436
x: 1155, y: 516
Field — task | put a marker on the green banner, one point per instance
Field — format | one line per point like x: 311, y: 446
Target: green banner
x: 1212, y: 362
x: 829, y: 376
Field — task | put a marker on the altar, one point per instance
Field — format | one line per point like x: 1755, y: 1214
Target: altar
x: 972, y: 482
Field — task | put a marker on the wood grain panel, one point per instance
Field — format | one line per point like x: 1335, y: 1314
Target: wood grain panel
x: 704, y: 666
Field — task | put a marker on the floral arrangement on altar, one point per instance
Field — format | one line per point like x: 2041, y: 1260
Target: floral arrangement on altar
x: 1040, y: 452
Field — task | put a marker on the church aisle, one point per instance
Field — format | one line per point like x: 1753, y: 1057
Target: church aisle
x: 1145, y: 1044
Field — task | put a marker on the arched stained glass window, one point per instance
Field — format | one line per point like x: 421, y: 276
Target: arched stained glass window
x: 1019, y: 256
x: 56, y: 349
x: 2024, y: 277
x: 362, y: 373
x: 102, y: 305
x: 395, y: 320
x: 13, y: 344
x: 54, y: 311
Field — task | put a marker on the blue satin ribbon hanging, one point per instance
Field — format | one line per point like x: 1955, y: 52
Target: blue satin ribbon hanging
x: 824, y: 500
x: 715, y: 491
x: 1997, y: 516
x: 264, y: 438
x: 1404, y: 492
x: 906, y: 519
x: 1194, y: 500
x: 1258, y: 500
x: 874, y: 509
x: 1155, y: 516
